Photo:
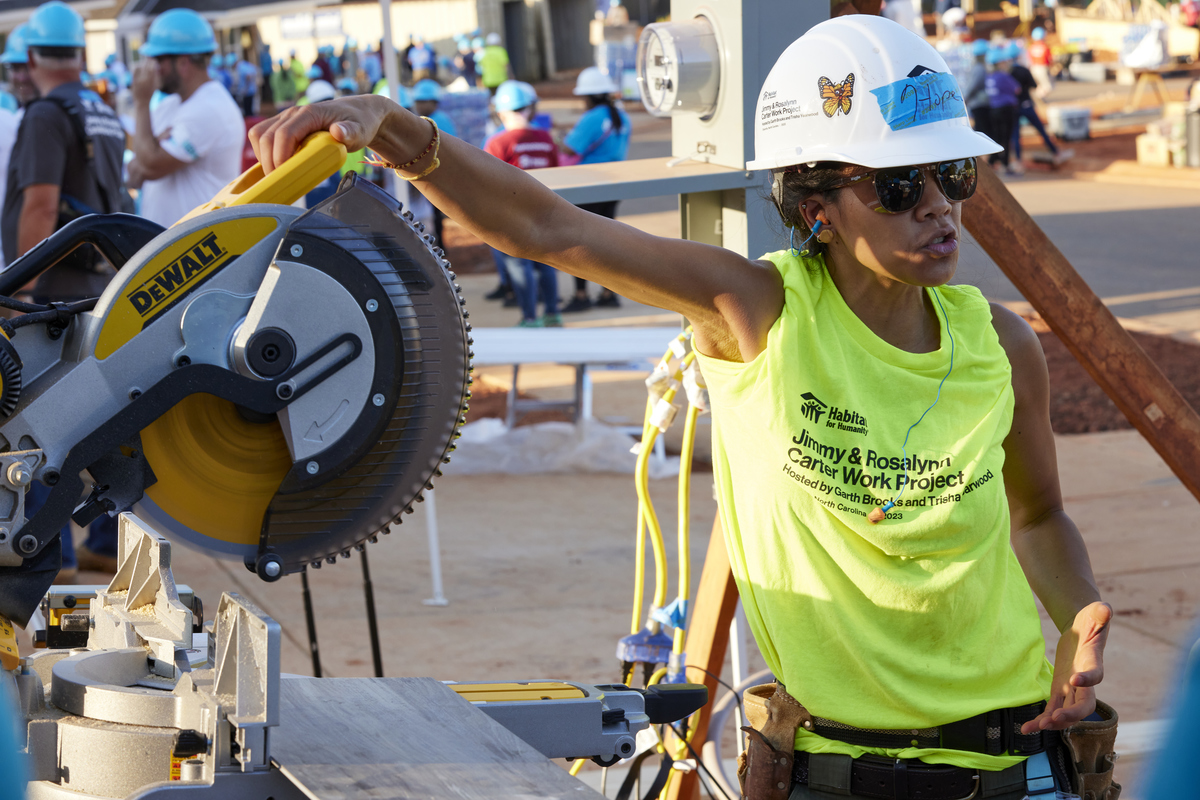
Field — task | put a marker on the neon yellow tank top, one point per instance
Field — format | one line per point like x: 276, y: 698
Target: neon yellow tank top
x: 925, y: 618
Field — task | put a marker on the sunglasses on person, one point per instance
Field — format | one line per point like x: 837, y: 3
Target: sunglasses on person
x: 900, y: 188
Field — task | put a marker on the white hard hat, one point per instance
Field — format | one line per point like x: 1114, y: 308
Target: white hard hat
x: 864, y: 90
x: 593, y: 81
x: 319, y: 91
x: 493, y: 38
x: 954, y: 17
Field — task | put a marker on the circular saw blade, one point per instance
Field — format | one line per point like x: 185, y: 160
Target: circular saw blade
x: 216, y: 474
x: 228, y: 486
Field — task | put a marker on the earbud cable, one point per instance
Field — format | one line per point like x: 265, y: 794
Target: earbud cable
x: 889, y: 505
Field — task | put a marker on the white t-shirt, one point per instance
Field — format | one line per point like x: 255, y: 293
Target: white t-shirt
x: 9, y: 122
x: 206, y: 132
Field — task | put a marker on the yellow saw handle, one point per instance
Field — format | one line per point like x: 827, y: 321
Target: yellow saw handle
x: 318, y: 157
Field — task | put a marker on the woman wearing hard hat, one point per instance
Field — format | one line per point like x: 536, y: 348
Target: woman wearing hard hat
x: 882, y: 450
x: 600, y: 136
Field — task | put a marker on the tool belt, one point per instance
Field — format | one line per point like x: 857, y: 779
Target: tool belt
x: 769, y: 766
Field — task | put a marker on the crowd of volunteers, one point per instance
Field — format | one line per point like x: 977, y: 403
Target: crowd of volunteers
x: 164, y: 135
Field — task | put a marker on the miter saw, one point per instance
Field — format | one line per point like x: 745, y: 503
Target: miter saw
x: 260, y: 382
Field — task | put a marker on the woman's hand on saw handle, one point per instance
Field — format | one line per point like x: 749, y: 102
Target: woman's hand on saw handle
x: 357, y: 122
x: 731, y: 302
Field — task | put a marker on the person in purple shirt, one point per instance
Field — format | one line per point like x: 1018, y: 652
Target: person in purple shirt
x: 1003, y: 92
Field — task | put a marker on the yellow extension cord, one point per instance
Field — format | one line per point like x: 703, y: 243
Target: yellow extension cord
x: 647, y: 521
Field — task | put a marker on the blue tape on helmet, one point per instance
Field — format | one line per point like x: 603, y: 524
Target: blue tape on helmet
x: 920, y: 100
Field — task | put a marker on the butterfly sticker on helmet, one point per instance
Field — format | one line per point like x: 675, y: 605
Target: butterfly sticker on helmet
x: 836, y: 96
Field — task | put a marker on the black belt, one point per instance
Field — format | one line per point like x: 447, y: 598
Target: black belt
x: 890, y: 779
x: 992, y: 733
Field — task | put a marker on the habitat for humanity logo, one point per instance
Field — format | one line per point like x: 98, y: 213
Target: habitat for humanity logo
x: 813, y: 409
x: 842, y: 419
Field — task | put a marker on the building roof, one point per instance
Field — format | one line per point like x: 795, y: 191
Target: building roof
x: 210, y: 8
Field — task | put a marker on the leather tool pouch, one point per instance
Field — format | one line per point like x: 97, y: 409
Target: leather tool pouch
x: 1090, y: 751
x: 765, y: 769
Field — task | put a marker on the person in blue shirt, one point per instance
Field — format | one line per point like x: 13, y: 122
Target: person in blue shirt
x: 600, y: 136
x: 246, y: 77
x: 427, y: 95
x: 266, y: 69
x: 422, y: 59
x: 372, y: 67
x: 222, y: 74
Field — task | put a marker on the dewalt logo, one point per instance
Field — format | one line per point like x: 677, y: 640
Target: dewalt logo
x: 163, y: 286
x: 173, y: 274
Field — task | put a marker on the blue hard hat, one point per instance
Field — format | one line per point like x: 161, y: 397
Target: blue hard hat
x: 514, y: 95
x: 997, y: 54
x: 477, y: 43
x: 979, y: 47
x: 314, y: 72
x: 55, y: 24
x: 348, y: 84
x: 231, y: 59
x: 1012, y: 52
x: 404, y: 95
x: 1039, y: 34
x: 14, y: 47
x: 427, y: 90
x: 179, y: 32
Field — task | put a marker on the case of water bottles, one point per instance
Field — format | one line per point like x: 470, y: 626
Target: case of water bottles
x: 470, y: 113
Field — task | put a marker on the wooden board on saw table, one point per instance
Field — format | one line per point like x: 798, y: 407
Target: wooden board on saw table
x: 378, y: 738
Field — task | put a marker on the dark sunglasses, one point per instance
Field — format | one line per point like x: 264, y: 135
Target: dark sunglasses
x: 900, y: 188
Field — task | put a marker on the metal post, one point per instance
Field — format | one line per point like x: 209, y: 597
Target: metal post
x: 435, y: 554
x: 372, y: 623
x: 391, y: 71
x: 737, y: 652
x: 313, y: 648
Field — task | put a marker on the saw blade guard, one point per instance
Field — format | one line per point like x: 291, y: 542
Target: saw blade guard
x: 395, y: 448
x: 357, y: 445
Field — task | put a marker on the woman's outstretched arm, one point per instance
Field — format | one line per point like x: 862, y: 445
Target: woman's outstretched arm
x: 730, y: 301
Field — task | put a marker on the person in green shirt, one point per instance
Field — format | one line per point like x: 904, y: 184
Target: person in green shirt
x: 299, y: 74
x: 492, y: 64
x: 882, y: 451
x: 283, y: 86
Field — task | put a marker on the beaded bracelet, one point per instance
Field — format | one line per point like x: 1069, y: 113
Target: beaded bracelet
x: 434, y: 146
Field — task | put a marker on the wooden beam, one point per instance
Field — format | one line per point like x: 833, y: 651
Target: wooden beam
x: 1085, y: 325
x: 707, y: 641
x: 839, y: 8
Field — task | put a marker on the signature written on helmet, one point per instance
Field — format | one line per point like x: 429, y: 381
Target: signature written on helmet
x: 920, y: 100
x: 164, y: 285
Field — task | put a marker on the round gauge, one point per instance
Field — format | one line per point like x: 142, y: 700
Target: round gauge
x: 679, y: 68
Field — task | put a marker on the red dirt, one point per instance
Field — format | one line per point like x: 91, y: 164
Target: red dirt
x: 1079, y: 405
